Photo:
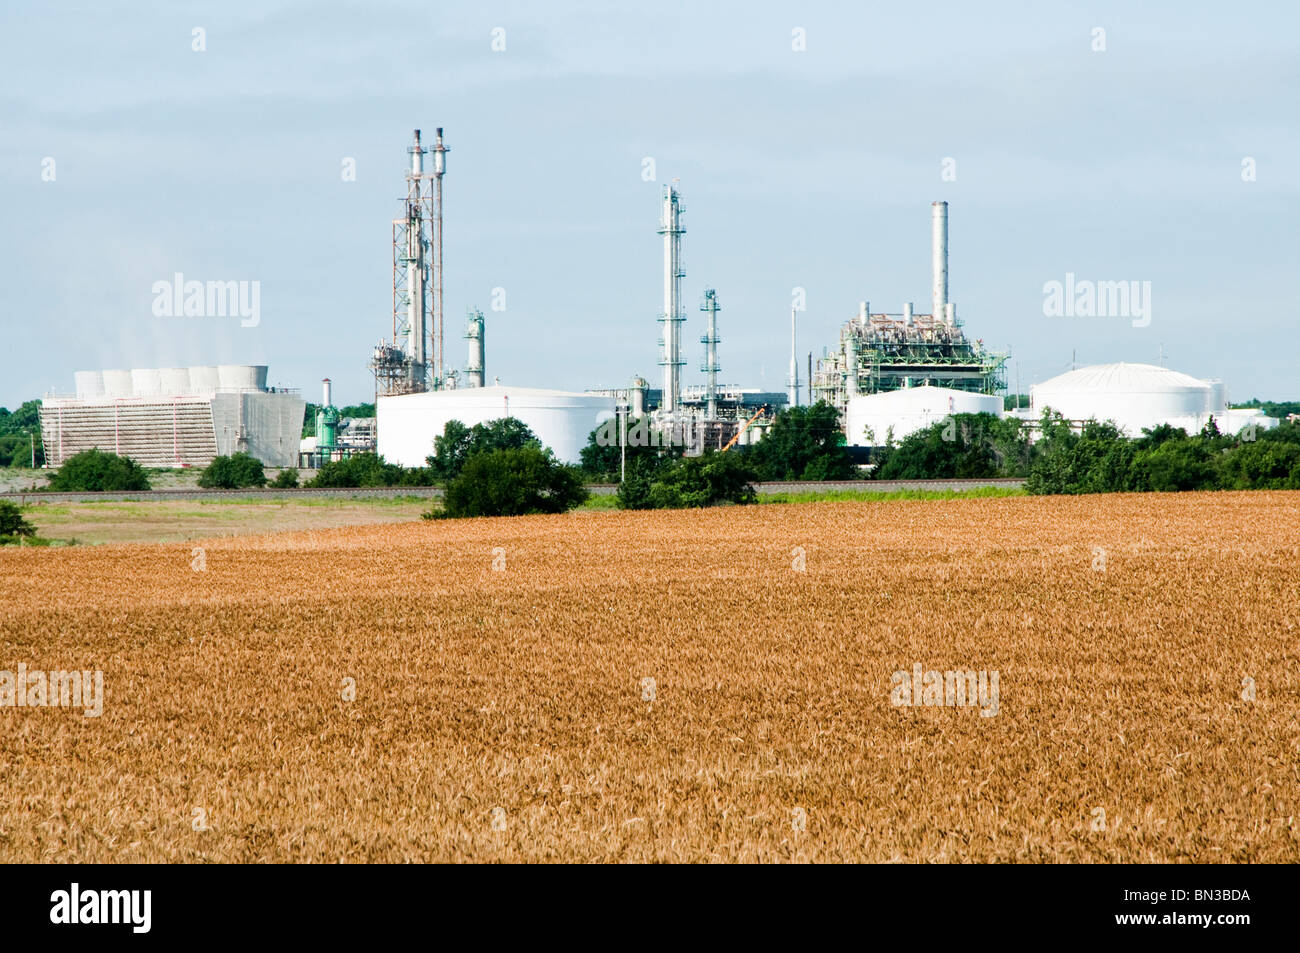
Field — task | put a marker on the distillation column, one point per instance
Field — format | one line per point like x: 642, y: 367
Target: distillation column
x: 670, y: 227
x: 710, y: 341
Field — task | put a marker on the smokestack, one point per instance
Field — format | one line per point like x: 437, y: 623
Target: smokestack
x: 794, y: 367
x: 327, y: 396
x: 939, y: 258
x: 907, y: 315
x: 417, y: 155
x: 862, y: 312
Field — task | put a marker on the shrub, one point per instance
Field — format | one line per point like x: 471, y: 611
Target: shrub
x: 93, y: 470
x: 234, y: 472
x: 512, y: 483
x: 962, y: 446
x: 368, y: 469
x: 286, y: 479
x: 12, y: 525
x: 710, y: 479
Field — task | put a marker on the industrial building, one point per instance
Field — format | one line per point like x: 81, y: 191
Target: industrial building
x: 1141, y: 396
x: 882, y: 352
x: 175, y: 416
x: 561, y: 420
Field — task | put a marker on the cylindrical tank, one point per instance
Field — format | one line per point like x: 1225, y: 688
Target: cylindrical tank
x: 117, y: 383
x: 1218, y: 397
x: 1134, y: 396
x: 89, y: 383
x: 146, y: 381
x: 327, y: 428
x: 175, y: 380
x: 204, y: 378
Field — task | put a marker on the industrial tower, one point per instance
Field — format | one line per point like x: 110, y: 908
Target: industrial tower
x: 414, y: 360
x: 670, y: 227
x: 710, y: 366
x: 880, y: 352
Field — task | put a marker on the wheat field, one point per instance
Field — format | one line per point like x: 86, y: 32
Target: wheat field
x: 672, y: 686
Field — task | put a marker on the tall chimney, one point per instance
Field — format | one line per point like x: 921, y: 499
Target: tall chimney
x: 327, y: 397
x: 939, y: 258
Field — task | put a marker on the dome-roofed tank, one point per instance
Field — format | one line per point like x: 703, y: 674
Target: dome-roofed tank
x: 1134, y: 396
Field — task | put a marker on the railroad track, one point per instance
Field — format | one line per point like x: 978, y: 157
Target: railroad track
x: 432, y: 492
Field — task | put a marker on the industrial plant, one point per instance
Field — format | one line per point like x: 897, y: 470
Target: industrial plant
x: 889, y: 375
x: 880, y: 354
x: 175, y: 416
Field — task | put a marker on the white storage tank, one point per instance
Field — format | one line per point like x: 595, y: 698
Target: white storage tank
x: 873, y: 419
x: 175, y: 380
x: 1218, y: 397
x: 89, y: 383
x: 117, y: 383
x: 204, y: 378
x: 561, y: 420
x: 1133, y: 396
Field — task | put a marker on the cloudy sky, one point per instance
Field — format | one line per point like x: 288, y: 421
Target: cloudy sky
x: 804, y: 168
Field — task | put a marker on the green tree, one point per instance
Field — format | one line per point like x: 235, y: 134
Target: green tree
x: 20, y: 431
x: 459, y: 443
x: 602, y: 457
x: 93, y: 470
x: 513, y: 482
x: 234, y: 472
x: 12, y: 524
x: 803, y: 443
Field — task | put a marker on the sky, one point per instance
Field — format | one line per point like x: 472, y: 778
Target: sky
x: 808, y: 140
